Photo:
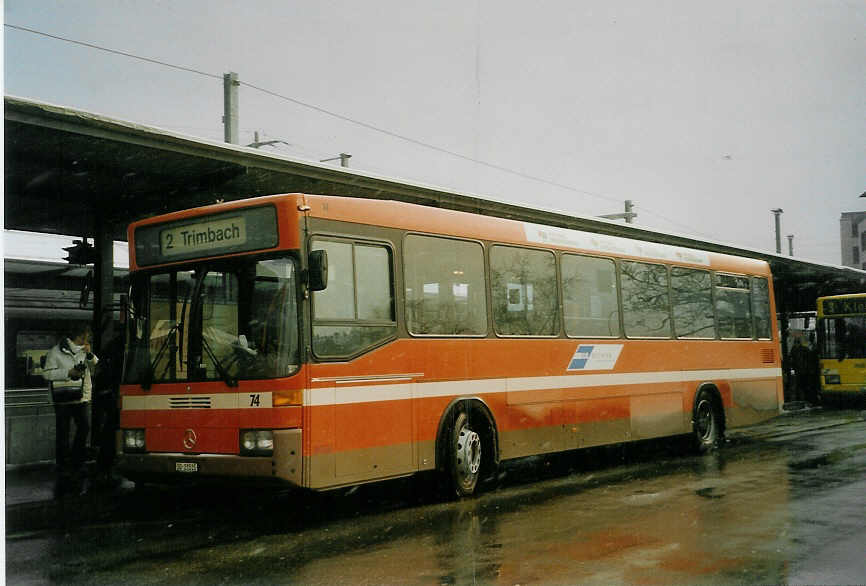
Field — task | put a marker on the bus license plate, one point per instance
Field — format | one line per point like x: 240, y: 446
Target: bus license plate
x: 186, y: 467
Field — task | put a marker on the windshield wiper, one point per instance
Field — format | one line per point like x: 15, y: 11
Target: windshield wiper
x: 147, y: 381
x: 216, y: 362
x: 178, y: 326
x: 195, y: 287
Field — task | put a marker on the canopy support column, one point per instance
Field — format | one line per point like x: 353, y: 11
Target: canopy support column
x: 103, y: 283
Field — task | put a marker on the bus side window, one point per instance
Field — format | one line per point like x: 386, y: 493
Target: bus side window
x: 733, y: 307
x: 524, y: 288
x: 692, y: 297
x: 589, y: 297
x: 445, y: 292
x: 645, y: 300
x: 761, y: 308
x: 356, y: 311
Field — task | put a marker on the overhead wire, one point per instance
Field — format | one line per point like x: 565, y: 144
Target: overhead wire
x: 428, y: 145
x: 350, y: 120
x: 114, y: 51
x: 690, y: 228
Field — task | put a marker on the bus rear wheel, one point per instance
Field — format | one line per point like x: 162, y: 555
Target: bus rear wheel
x: 708, y: 423
x: 464, y: 456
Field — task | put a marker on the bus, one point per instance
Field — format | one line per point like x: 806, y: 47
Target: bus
x: 842, y: 346
x: 325, y: 341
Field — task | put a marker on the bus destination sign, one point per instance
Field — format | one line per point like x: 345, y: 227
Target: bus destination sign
x: 239, y: 230
x: 203, y: 236
x: 856, y: 306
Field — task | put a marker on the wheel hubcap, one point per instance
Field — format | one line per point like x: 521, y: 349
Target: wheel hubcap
x: 468, y: 452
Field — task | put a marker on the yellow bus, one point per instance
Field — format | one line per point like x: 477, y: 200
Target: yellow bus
x: 842, y: 345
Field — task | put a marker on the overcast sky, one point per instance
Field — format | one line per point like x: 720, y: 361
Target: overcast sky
x: 705, y: 114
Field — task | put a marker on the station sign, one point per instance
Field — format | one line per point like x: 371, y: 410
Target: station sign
x: 240, y: 230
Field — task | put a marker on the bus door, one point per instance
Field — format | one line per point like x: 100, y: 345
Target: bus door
x: 360, y: 391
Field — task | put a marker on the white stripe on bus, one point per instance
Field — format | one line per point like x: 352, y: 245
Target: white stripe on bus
x: 369, y: 393
x: 365, y: 393
x: 198, y: 401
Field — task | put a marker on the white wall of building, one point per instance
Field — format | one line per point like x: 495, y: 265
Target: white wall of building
x: 852, y: 231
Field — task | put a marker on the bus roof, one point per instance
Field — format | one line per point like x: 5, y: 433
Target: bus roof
x: 424, y: 219
x: 843, y: 296
x: 850, y: 305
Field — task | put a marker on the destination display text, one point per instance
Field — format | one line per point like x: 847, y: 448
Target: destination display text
x: 203, y: 236
x: 855, y: 306
x: 229, y: 232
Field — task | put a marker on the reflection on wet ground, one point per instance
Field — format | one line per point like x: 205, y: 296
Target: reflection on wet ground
x: 783, y: 503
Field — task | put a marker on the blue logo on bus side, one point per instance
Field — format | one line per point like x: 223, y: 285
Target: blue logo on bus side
x: 595, y: 357
x: 580, y: 358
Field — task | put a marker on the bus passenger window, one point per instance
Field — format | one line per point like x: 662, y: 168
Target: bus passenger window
x: 524, y: 288
x: 445, y: 293
x: 692, y: 298
x: 761, y: 308
x: 645, y: 300
x: 356, y: 311
x: 733, y: 307
x: 589, y: 297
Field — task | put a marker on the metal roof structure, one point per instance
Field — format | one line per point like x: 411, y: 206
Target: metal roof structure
x: 66, y: 170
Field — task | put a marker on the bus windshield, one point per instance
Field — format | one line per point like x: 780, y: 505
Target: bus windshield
x: 224, y: 320
x: 843, y: 337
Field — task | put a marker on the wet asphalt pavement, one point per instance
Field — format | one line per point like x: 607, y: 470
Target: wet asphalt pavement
x: 781, y: 503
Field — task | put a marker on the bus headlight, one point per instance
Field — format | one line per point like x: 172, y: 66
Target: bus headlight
x: 257, y: 442
x: 832, y: 379
x: 133, y: 440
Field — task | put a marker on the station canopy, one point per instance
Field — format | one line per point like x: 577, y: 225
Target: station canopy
x: 67, y: 170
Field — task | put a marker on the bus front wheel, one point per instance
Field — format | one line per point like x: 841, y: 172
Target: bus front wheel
x: 465, y: 454
x: 708, y: 423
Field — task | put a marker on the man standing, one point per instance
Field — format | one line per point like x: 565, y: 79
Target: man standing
x: 105, y: 415
x: 800, y: 364
x: 68, y: 368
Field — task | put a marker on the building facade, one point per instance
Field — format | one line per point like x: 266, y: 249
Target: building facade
x: 852, y: 230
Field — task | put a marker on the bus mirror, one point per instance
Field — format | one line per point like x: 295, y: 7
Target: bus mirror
x: 318, y: 270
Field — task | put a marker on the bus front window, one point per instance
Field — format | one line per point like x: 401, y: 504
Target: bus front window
x: 221, y: 321
x: 843, y: 337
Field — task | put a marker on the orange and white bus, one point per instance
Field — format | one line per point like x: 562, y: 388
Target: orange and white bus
x: 326, y: 341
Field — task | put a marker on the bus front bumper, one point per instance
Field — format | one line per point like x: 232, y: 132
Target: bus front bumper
x: 847, y: 390
x: 285, y: 466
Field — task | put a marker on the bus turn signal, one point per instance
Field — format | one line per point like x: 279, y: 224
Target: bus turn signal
x: 286, y: 398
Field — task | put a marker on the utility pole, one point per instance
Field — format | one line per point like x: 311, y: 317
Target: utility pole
x: 778, y: 212
x: 230, y: 107
x: 344, y: 159
x: 629, y: 215
x: 790, y: 244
